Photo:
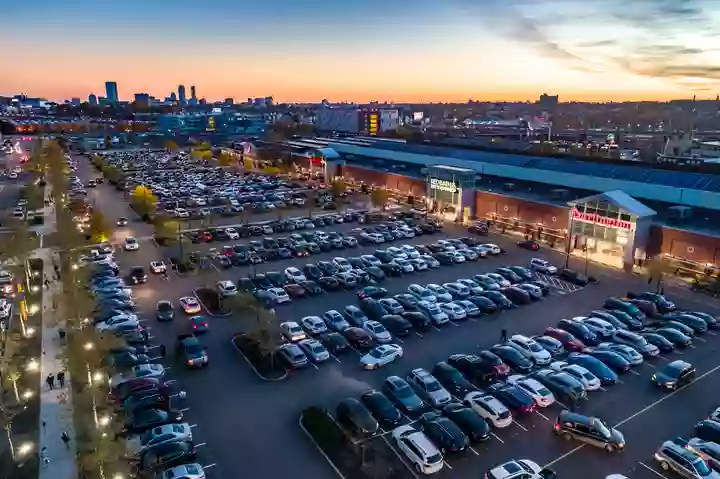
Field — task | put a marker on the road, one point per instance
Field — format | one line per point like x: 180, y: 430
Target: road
x: 262, y: 416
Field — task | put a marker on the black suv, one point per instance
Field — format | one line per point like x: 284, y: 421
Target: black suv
x: 590, y: 430
x: 138, y: 275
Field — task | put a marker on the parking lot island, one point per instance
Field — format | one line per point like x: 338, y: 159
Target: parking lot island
x: 264, y: 366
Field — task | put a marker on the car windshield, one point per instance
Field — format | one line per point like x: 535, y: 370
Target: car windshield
x: 535, y: 347
x: 425, y: 293
x: 702, y: 468
x: 543, y: 392
x: 404, y: 392
x: 376, y: 353
x: 432, y: 386
x: 601, y: 428
x: 435, y: 458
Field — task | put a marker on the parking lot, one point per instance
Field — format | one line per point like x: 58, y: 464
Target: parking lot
x: 645, y: 415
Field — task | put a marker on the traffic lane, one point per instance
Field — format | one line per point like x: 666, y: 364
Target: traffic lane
x: 616, y: 405
x: 248, y: 405
x: 671, y: 415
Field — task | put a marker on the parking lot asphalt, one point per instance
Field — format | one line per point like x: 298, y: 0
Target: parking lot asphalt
x: 232, y: 406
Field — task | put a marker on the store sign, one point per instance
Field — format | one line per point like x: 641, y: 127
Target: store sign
x: 601, y: 220
x: 443, y: 185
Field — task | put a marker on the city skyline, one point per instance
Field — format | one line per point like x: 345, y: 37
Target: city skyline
x: 449, y: 51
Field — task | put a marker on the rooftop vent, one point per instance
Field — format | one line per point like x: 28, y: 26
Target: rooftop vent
x: 508, y: 186
x: 679, y: 214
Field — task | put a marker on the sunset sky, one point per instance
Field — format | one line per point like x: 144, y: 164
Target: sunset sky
x: 362, y: 50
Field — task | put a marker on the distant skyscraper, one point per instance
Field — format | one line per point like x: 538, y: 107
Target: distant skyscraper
x: 92, y: 99
x: 192, y: 93
x: 181, y: 94
x: 173, y: 96
x: 111, y: 92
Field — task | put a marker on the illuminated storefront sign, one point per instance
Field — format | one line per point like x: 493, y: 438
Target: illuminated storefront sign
x: 443, y: 185
x: 601, y: 220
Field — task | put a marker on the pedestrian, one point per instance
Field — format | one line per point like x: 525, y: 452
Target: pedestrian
x: 57, y: 271
x: 61, y: 378
x: 65, y: 439
x: 50, y: 380
x: 47, y: 283
x: 44, y: 425
x: 44, y: 455
x: 61, y: 334
x: 503, y: 336
x: 162, y: 351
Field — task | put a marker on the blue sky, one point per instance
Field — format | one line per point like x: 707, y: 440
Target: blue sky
x: 448, y: 50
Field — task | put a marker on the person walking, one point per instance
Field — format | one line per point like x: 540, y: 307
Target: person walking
x: 65, y: 439
x: 163, y: 351
x: 503, y: 336
x: 61, y: 378
x: 44, y: 455
x: 50, y: 380
x: 57, y: 271
x: 47, y: 283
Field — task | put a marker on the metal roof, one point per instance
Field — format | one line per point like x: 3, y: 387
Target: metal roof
x: 620, y: 199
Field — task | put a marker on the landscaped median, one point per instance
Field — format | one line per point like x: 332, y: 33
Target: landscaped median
x: 211, y: 301
x: 265, y: 366
x: 350, y: 458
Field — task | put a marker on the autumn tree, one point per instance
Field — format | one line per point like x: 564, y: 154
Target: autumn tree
x: 225, y: 158
x: 258, y: 322
x: 143, y: 201
x: 100, y: 229
x: 171, y: 146
x: 379, y: 198
x: 166, y: 229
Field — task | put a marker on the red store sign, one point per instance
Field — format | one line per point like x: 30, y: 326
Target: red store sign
x: 601, y: 220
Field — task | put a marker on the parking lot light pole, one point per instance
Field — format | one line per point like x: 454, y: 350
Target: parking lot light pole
x: 569, y: 241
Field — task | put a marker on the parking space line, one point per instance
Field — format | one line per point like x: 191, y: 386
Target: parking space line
x: 678, y: 352
x: 436, y: 328
x: 454, y: 324
x: 648, y: 364
x: 702, y: 339
x: 315, y: 366
x: 662, y: 357
x: 520, y: 426
x: 634, y: 372
x: 402, y: 459
x: 335, y: 358
x: 447, y: 465
x: 542, y: 415
x: 473, y: 320
x: 497, y: 437
x: 171, y: 381
x: 419, y: 335
x: 201, y: 444
x: 692, y: 345
x: 652, y: 470
x: 209, y: 466
x: 473, y: 450
x: 602, y: 389
x: 711, y: 333
x: 560, y: 458
x: 398, y: 340
x: 620, y: 381
x: 193, y: 425
x: 185, y: 409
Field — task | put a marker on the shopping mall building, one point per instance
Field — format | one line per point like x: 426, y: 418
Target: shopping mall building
x: 616, y: 212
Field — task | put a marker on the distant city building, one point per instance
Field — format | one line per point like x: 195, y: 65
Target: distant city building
x: 356, y: 120
x: 142, y: 99
x: 181, y: 95
x: 549, y: 101
x: 75, y: 101
x: 102, y: 101
x: 229, y: 101
x: 173, y: 96
x: 193, y: 96
x: 203, y: 101
x: 92, y: 99
x: 269, y: 101
x: 111, y: 91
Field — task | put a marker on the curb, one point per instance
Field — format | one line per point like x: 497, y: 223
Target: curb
x: 254, y: 369
x: 317, y: 446
x: 207, y: 311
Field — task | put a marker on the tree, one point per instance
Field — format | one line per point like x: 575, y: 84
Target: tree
x: 100, y: 229
x: 259, y: 322
x: 11, y: 363
x: 166, y: 229
x: 143, y: 201
x: 657, y: 268
x: 112, y: 173
x: 379, y: 197
x: 171, y: 146
x: 225, y: 158
x: 310, y: 202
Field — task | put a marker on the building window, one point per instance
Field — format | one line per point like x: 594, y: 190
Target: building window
x: 625, y: 217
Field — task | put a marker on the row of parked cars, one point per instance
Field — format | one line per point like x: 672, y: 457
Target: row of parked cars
x: 371, y: 326
x: 460, y: 399
x: 351, y: 273
x: 696, y: 457
x: 138, y: 385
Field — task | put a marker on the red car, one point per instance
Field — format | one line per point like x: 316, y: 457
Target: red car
x: 123, y: 390
x: 570, y: 342
x: 206, y: 236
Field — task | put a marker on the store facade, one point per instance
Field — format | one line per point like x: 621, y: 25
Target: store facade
x: 451, y: 192
x: 611, y: 228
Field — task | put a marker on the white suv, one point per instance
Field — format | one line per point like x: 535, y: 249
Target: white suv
x: 531, y: 349
x: 542, y: 266
x: 490, y: 408
x: 227, y: 288
x: 419, y: 450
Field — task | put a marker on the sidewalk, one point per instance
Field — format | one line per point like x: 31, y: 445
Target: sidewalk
x: 55, y: 405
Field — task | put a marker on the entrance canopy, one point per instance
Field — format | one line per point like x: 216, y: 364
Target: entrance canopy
x: 619, y: 199
x: 327, y: 153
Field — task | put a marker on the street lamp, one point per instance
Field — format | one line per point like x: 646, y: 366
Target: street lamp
x: 88, y: 346
x: 104, y: 421
x: 34, y: 308
x: 27, y: 394
x: 98, y: 376
x: 33, y: 365
x: 25, y: 449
